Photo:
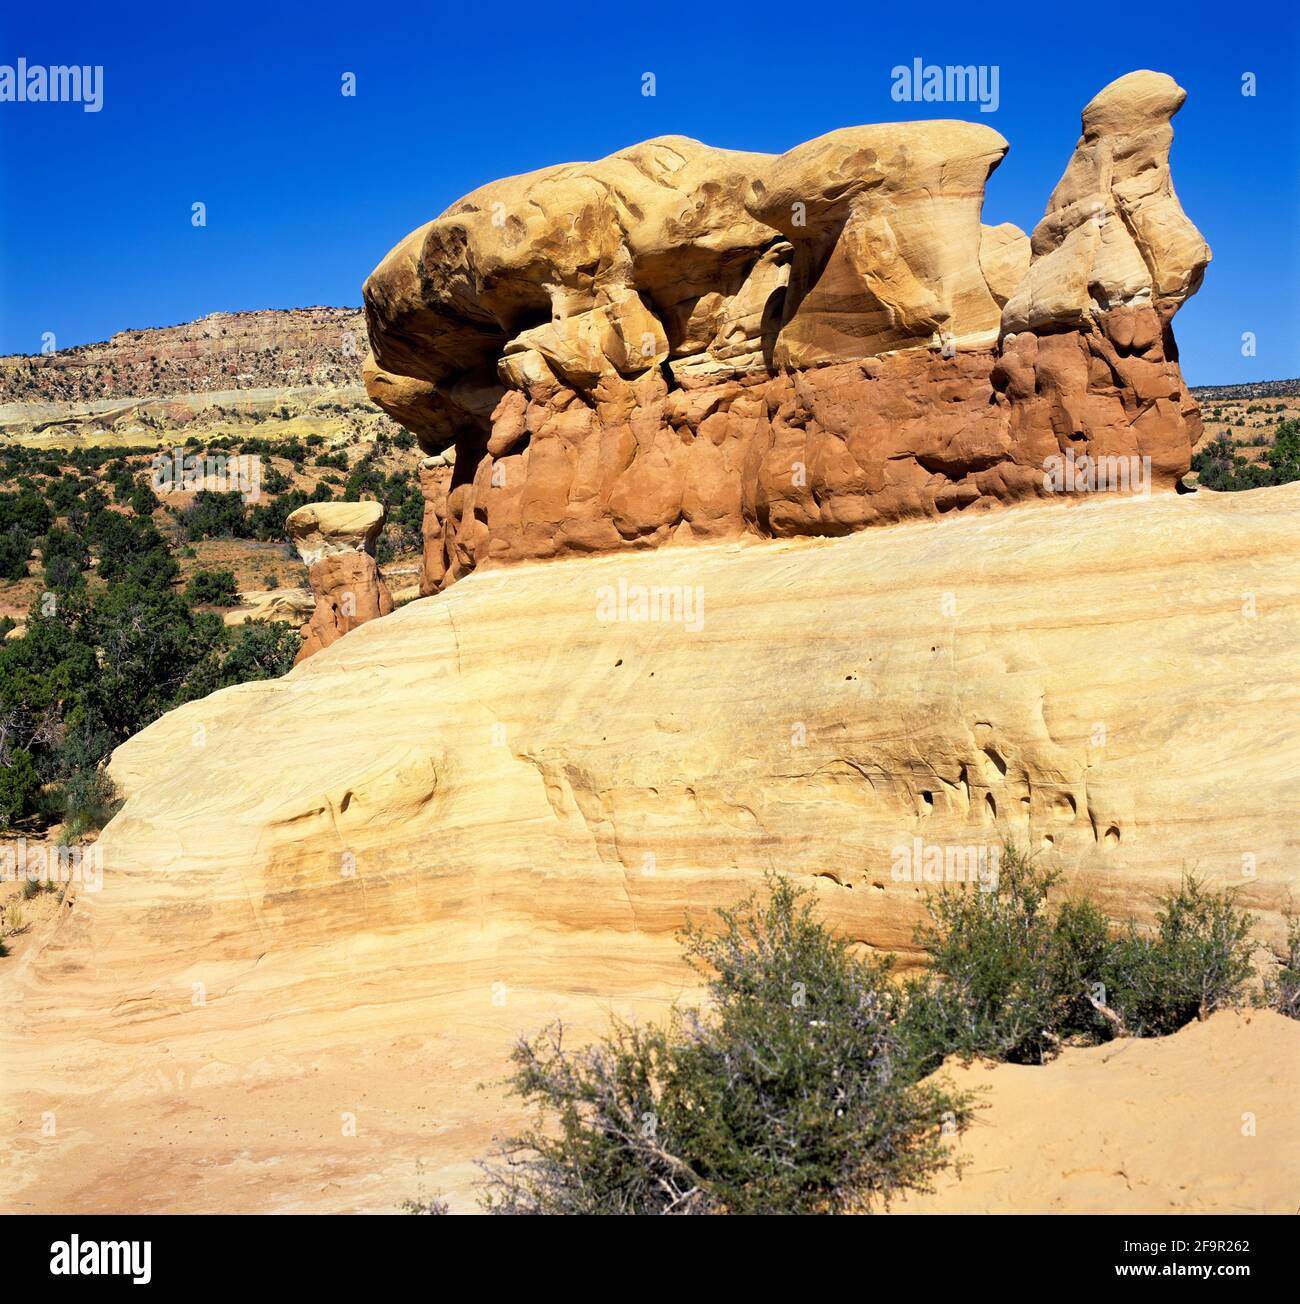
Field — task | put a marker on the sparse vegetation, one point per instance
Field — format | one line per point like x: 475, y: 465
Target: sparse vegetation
x: 110, y: 644
x: 119, y: 625
x: 1221, y: 466
x: 792, y: 1092
x: 1011, y: 979
x: 1283, y: 990
x: 802, y: 1085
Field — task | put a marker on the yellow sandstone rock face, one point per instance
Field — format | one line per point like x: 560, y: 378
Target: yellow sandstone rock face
x: 1114, y: 234
x: 332, y: 901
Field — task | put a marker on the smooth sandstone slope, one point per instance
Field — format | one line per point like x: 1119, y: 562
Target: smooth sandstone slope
x: 332, y: 901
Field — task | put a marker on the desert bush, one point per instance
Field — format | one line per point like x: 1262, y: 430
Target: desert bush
x: 1012, y: 979
x: 261, y: 651
x: 64, y: 543
x: 215, y: 515
x: 131, y: 548
x: 26, y: 511
x: 19, y: 785
x: 1221, y: 467
x: 144, y: 502
x: 791, y: 1092
x: 275, y: 481
x: 1005, y: 977
x: 433, y: 1205
x: 1196, y: 962
x: 214, y: 587
x: 1283, y: 990
x: 15, y: 549
x: 89, y: 801
x: 63, y: 573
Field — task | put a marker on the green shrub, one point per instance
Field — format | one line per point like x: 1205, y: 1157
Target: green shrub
x: 131, y: 548
x: 214, y: 587
x: 89, y: 801
x: 274, y: 481
x: 66, y: 545
x: 433, y: 1205
x: 215, y: 515
x: 15, y: 549
x: 26, y: 511
x: 144, y: 502
x: 261, y: 651
x: 62, y: 573
x: 791, y: 1092
x: 1011, y: 979
x: 1004, y: 977
x: 1219, y: 466
x: 19, y: 786
x: 1198, y: 961
x: 1284, y: 990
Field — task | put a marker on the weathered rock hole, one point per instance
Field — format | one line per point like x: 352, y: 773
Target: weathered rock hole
x: 1112, y: 836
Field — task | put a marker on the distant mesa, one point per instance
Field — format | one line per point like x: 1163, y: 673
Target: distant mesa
x: 680, y: 342
x: 269, y: 348
x: 264, y: 374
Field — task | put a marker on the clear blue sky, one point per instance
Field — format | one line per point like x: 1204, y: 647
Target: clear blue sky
x: 239, y: 107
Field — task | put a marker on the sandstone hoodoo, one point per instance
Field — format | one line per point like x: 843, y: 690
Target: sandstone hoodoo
x: 680, y: 343
x: 336, y: 540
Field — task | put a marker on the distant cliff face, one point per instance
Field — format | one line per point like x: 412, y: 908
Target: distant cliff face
x: 683, y: 343
x: 270, y: 349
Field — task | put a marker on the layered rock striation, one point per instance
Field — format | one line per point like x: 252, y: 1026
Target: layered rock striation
x: 683, y: 343
x: 354, y: 887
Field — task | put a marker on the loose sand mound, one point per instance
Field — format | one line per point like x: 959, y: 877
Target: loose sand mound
x: 1205, y: 1121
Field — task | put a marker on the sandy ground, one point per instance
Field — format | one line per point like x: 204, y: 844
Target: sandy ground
x: 1205, y: 1121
